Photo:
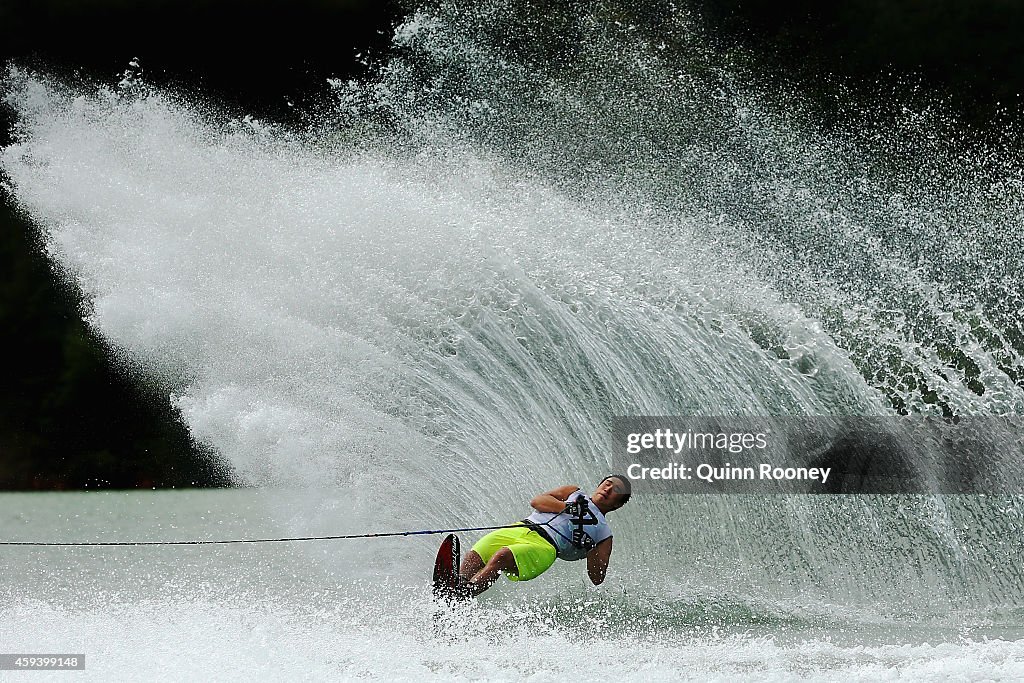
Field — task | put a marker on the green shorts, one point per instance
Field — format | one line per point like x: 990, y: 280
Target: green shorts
x: 533, y: 554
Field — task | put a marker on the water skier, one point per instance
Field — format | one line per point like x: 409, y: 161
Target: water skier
x: 563, y: 524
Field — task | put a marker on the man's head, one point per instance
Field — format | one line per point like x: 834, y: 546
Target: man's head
x: 612, y: 493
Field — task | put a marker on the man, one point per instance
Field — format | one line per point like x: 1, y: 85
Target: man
x: 563, y: 524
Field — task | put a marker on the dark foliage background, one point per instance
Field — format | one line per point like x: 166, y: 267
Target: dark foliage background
x: 966, y: 54
x: 71, y: 414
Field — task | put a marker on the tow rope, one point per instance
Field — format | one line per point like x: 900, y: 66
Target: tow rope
x: 385, y: 534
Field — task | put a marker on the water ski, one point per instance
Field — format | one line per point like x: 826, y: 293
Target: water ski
x: 446, y: 568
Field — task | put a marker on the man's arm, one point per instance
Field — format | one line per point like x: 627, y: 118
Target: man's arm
x: 597, y: 561
x: 553, y: 500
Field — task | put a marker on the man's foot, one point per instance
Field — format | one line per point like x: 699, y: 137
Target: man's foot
x: 464, y: 591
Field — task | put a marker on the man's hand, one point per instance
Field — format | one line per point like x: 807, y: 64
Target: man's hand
x: 554, y: 500
x: 578, y: 509
x: 597, y: 561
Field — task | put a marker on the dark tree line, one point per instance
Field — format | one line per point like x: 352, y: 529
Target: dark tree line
x: 71, y: 416
x: 968, y: 55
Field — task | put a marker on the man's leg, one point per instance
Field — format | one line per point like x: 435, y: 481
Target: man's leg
x: 502, y: 561
x: 471, y: 564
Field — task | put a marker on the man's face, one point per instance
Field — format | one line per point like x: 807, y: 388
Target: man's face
x: 607, y: 493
